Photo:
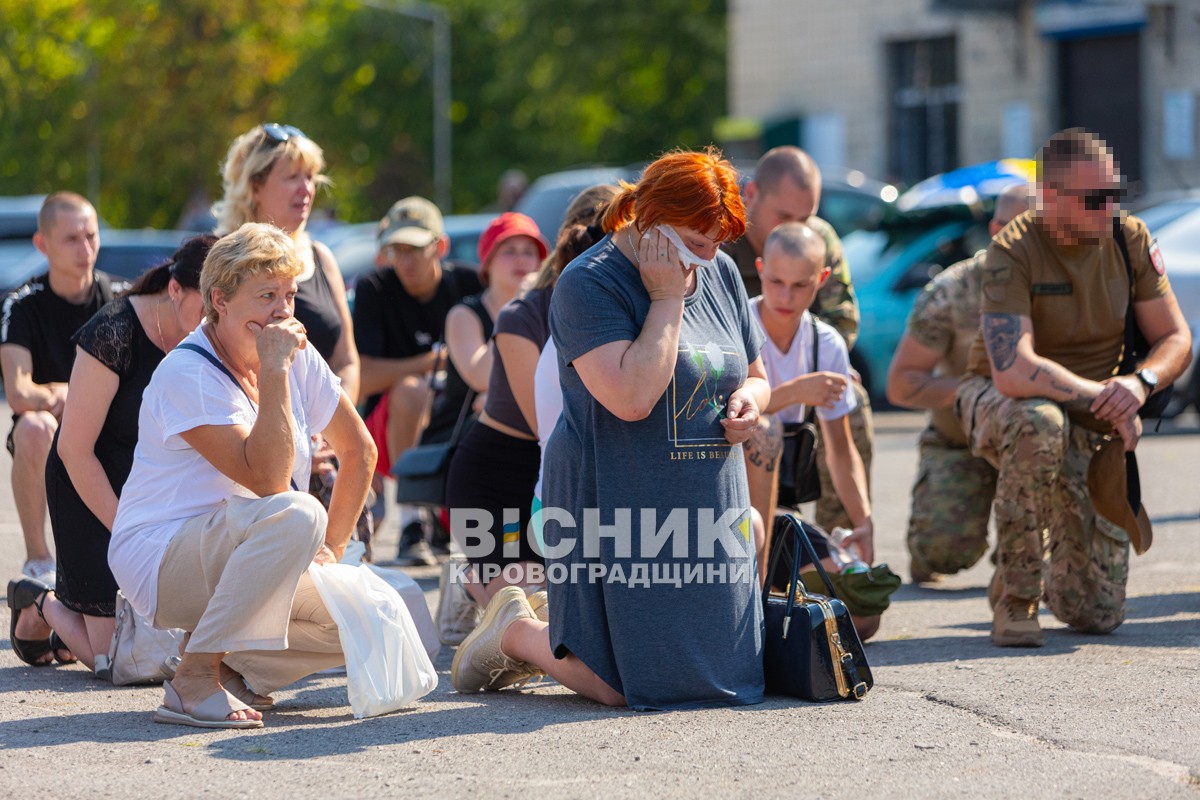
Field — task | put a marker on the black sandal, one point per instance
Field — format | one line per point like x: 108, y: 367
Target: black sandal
x: 57, y: 646
x: 23, y: 593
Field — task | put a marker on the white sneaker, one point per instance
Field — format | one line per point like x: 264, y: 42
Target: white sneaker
x: 457, y: 612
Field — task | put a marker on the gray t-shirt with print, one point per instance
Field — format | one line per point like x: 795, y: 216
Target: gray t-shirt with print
x: 698, y: 643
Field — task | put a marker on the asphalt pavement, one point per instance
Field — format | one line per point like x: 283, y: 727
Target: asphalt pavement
x: 1114, y: 716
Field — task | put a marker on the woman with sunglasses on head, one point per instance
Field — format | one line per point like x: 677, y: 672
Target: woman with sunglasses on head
x: 271, y: 174
x: 116, y: 353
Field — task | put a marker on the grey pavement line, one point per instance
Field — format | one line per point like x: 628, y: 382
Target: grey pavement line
x: 997, y: 726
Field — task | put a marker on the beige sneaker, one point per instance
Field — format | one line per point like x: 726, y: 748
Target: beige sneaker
x: 1015, y: 624
x: 539, y: 601
x: 479, y: 663
x: 457, y: 611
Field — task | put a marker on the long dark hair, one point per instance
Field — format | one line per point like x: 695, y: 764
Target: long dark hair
x: 184, y: 266
x: 580, y: 230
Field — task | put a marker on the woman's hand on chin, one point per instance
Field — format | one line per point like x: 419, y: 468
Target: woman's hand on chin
x: 279, y: 342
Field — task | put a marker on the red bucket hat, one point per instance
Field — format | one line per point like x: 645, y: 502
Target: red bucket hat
x: 503, y: 227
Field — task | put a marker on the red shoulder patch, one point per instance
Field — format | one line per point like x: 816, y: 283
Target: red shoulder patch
x: 1156, y: 258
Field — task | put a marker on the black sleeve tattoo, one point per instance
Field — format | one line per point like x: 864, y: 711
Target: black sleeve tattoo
x: 1000, y: 334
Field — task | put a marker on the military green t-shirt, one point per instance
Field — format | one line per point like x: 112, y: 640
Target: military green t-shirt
x: 1075, y: 295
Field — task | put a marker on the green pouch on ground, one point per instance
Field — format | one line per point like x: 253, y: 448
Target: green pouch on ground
x: 864, y: 593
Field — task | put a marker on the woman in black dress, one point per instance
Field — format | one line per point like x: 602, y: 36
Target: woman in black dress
x: 116, y: 353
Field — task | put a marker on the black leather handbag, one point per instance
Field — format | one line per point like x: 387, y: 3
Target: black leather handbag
x: 811, y: 649
x: 799, y: 480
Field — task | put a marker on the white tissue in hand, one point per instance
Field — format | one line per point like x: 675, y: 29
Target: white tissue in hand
x: 690, y: 260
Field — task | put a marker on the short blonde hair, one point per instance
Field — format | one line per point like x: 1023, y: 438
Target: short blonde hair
x: 256, y: 249
x: 250, y: 159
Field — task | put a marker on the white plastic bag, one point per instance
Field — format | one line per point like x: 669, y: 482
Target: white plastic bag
x: 386, y: 664
x: 410, y: 592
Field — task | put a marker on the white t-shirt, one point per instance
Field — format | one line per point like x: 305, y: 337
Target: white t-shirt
x: 785, y: 365
x: 171, y: 483
x: 548, y: 401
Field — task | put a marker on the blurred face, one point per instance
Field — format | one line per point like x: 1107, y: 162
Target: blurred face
x: 1080, y: 203
x: 285, y: 196
x: 260, y: 299
x: 787, y: 202
x: 416, y: 267
x: 512, y: 260
x: 72, y: 243
x: 789, y: 283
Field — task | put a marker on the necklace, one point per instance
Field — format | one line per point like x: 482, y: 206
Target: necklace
x: 637, y: 262
x: 162, y: 342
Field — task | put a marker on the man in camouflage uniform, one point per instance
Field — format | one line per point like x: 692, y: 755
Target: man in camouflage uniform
x: 1043, y: 395
x: 786, y: 187
x: 952, y: 496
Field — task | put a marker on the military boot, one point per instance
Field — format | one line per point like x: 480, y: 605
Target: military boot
x: 1015, y: 623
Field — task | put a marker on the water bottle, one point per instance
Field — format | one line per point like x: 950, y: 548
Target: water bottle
x: 847, y: 556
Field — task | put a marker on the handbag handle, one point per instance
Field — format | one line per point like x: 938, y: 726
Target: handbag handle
x: 796, y: 527
x: 439, y: 362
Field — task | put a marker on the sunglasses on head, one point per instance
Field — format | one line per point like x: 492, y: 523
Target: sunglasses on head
x: 277, y: 134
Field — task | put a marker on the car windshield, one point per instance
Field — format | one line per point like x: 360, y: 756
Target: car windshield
x: 869, y: 252
x: 1162, y: 215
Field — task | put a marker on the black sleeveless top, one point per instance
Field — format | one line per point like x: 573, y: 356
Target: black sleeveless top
x: 449, y: 402
x: 317, y: 310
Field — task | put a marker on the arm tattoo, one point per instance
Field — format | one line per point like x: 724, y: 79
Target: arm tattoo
x: 765, y: 444
x: 1000, y: 334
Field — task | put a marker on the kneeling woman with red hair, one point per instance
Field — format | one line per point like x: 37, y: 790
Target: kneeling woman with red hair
x: 653, y: 598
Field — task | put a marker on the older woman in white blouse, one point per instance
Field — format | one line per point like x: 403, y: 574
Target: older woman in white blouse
x: 211, y: 533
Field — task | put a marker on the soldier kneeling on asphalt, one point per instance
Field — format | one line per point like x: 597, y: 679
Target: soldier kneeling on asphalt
x: 1047, y: 393
x: 952, y: 496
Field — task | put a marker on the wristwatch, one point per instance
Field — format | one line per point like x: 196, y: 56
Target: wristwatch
x: 1149, y: 379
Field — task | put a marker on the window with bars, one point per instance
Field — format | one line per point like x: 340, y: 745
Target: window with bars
x: 923, y: 114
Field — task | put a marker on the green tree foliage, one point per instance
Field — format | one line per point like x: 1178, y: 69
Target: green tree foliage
x: 158, y: 88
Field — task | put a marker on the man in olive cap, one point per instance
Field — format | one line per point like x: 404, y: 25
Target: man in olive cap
x: 399, y: 314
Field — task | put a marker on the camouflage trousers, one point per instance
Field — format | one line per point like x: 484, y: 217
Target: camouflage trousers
x: 829, y: 512
x: 1051, y: 540
x: 951, y: 505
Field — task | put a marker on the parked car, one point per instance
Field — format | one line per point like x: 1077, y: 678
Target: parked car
x: 890, y: 265
x: 124, y: 255
x: 18, y: 216
x: 849, y: 199
x: 1175, y: 223
x: 547, y: 198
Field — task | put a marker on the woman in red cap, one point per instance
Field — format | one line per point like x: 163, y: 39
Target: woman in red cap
x: 496, y: 463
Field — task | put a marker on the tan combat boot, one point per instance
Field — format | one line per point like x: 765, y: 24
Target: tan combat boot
x: 1015, y: 624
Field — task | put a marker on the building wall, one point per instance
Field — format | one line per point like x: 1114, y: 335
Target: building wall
x: 819, y: 57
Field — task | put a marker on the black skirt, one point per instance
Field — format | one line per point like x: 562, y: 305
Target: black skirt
x: 493, y: 471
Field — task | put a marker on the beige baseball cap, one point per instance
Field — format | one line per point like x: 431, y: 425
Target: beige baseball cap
x: 413, y: 221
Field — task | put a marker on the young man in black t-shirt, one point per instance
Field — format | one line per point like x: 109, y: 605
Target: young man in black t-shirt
x: 36, y: 354
x: 399, y: 315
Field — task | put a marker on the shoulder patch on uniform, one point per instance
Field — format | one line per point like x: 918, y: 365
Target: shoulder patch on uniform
x: 1156, y: 258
